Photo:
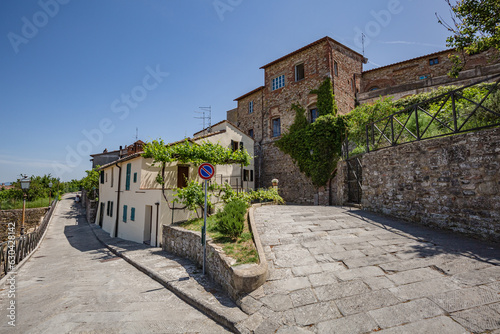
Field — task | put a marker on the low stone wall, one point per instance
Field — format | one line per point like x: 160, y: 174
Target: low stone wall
x: 33, y: 217
x: 236, y: 280
x: 451, y: 182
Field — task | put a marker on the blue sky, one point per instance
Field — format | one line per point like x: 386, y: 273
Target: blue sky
x: 80, y: 76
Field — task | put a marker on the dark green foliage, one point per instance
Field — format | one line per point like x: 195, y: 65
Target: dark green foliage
x: 316, y: 147
x: 230, y: 221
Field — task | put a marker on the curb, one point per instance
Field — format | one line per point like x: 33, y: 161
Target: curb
x: 200, y: 304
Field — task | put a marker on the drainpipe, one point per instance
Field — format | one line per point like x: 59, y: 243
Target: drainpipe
x: 118, y: 199
x: 262, y: 135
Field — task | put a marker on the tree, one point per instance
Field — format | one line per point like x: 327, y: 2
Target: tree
x: 316, y: 147
x: 189, y: 152
x: 91, y: 183
x: 475, y: 28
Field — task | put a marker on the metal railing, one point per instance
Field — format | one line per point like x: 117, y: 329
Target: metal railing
x: 451, y: 113
x: 12, y: 252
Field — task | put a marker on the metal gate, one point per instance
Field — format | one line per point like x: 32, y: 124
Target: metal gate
x: 354, y: 180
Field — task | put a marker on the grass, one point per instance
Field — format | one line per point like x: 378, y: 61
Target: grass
x: 18, y: 204
x: 241, y: 249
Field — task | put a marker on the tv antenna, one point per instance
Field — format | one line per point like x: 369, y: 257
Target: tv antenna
x: 204, y: 111
x: 363, y: 42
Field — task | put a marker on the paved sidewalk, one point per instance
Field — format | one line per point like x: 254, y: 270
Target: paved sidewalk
x: 72, y: 284
x: 342, y: 270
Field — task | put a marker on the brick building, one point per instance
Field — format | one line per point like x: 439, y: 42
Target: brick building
x: 425, y: 73
x: 265, y: 113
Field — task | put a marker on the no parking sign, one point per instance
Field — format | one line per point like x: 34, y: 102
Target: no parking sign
x: 206, y: 171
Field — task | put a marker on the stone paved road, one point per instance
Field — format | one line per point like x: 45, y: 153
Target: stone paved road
x: 72, y: 284
x: 341, y: 270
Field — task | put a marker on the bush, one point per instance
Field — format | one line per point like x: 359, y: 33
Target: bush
x: 230, y: 221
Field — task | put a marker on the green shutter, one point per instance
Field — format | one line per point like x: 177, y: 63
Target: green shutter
x: 125, y: 213
x: 102, y: 176
x: 127, y: 181
x: 111, y: 210
x: 132, y: 214
x: 135, y: 177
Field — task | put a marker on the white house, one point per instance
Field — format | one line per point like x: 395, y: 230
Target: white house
x: 131, y: 203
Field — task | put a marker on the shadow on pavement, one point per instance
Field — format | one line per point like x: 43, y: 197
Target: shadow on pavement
x: 434, y: 241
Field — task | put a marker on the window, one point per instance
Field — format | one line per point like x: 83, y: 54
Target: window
x: 433, y: 61
x: 124, y: 213
x: 250, y: 133
x: 132, y: 214
x: 313, y: 114
x: 111, y: 210
x: 182, y: 176
x: 127, y: 180
x: 241, y: 146
x: 335, y: 68
x: 135, y: 177
x: 102, y: 177
x: 106, y: 178
x: 423, y: 77
x: 373, y: 88
x: 234, y: 145
x: 248, y: 175
x: 112, y: 176
x: 299, y: 72
x: 250, y: 107
x: 279, y: 82
x: 276, y: 127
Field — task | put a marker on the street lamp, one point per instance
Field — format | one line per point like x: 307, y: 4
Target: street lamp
x: 25, y: 185
x: 50, y: 192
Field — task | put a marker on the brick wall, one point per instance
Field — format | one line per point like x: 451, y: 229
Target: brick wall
x: 452, y: 182
x: 318, y: 59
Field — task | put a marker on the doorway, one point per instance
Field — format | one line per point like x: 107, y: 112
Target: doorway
x: 148, y: 222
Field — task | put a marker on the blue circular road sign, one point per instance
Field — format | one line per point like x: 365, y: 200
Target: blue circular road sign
x: 206, y: 171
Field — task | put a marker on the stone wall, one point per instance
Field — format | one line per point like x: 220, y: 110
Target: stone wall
x: 319, y: 59
x: 452, y: 182
x: 33, y: 217
x: 236, y: 280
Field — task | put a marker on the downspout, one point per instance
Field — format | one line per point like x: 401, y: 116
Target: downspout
x: 118, y: 199
x: 262, y: 136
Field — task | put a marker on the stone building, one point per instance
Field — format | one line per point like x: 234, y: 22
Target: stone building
x: 265, y: 113
x: 425, y: 73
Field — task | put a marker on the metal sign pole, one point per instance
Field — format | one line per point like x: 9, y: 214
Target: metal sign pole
x: 204, y: 232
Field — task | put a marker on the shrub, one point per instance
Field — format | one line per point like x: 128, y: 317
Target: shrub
x: 230, y: 221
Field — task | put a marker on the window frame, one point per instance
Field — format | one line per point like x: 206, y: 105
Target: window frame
x: 273, y: 133
x: 335, y: 68
x: 313, y: 114
x: 297, y: 79
x: 251, y: 133
x: 278, y: 82
x: 250, y: 107
x: 433, y: 61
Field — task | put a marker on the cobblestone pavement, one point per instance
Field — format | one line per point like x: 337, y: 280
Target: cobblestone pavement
x: 342, y: 270
x: 72, y: 284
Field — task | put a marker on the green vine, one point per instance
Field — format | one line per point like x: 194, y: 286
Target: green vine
x: 316, y: 147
